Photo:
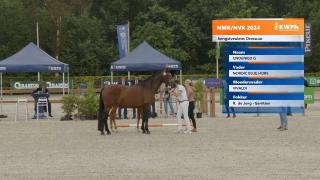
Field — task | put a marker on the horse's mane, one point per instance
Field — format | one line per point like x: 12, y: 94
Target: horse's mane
x: 149, y: 79
x: 152, y: 82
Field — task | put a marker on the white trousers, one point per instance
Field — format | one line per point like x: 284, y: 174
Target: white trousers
x: 183, y: 108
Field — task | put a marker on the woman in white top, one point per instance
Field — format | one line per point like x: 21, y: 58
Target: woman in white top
x: 181, y: 94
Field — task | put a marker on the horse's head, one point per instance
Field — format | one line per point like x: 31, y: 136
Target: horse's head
x: 166, y: 77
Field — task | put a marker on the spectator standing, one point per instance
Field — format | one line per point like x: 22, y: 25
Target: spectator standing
x: 306, y: 84
x: 226, y: 103
x: 167, y: 100
x: 191, y: 97
x: 283, y: 119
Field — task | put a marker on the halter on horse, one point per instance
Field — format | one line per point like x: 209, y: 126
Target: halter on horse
x: 139, y: 96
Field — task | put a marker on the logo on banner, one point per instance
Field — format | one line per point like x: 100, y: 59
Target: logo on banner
x: 286, y: 27
x: 123, y: 40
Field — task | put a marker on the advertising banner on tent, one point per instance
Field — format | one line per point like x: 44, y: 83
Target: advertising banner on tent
x: 123, y: 39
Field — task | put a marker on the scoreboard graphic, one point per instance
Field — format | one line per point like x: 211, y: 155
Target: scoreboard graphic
x: 264, y: 64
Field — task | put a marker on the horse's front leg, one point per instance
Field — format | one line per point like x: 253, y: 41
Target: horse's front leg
x: 143, y: 123
x: 146, y: 114
x: 147, y: 120
x: 139, y: 112
x: 147, y: 124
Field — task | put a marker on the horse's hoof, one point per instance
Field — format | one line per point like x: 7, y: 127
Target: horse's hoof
x: 143, y: 131
x: 102, y: 133
x: 108, y: 133
x: 148, y: 132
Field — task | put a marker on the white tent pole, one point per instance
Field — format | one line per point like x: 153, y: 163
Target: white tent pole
x: 38, y: 45
x: 217, y: 59
x: 63, y: 84
x: 128, y: 75
x: 1, y: 94
x: 37, y: 34
x: 180, y: 76
x: 111, y: 77
x: 128, y: 37
x: 68, y: 83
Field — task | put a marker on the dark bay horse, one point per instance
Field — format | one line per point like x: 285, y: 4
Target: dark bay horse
x: 139, y: 96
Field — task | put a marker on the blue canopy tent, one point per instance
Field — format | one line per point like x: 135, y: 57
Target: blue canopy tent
x: 32, y: 59
x: 144, y: 58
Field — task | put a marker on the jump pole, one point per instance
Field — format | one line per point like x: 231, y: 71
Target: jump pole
x: 150, y: 125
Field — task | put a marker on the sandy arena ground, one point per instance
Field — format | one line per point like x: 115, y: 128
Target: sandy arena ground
x: 246, y: 148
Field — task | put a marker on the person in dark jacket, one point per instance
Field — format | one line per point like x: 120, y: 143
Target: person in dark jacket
x: 306, y: 84
x: 42, y: 89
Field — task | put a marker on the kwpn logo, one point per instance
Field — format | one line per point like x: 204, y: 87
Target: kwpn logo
x: 286, y: 27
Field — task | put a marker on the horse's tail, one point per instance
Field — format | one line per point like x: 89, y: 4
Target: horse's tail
x: 101, y: 114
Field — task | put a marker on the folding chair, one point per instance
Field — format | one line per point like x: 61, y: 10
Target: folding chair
x: 42, y: 102
x: 19, y: 101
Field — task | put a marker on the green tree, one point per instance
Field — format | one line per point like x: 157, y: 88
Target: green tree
x: 169, y: 32
x: 16, y: 28
x: 84, y: 46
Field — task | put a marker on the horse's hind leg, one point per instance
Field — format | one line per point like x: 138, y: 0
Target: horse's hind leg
x: 101, y: 121
x: 113, y: 117
x: 115, y: 124
x: 111, y: 125
x: 142, y: 124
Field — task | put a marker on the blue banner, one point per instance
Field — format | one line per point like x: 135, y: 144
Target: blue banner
x: 212, y: 82
x: 123, y: 39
